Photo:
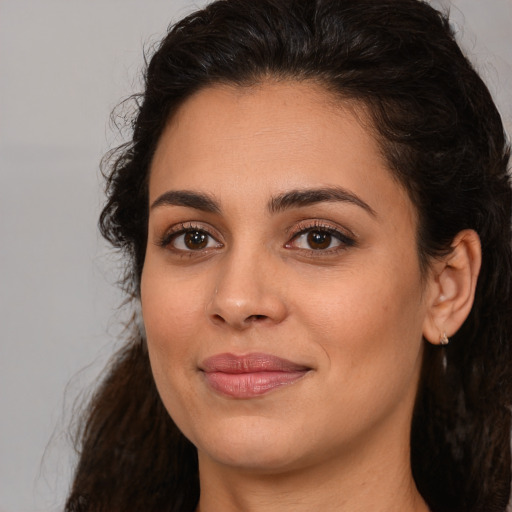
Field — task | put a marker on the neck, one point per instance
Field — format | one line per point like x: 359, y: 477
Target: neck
x: 364, y: 480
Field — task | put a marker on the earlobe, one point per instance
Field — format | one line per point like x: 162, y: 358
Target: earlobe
x: 452, y: 288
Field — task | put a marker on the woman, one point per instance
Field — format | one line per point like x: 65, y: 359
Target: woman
x: 315, y: 211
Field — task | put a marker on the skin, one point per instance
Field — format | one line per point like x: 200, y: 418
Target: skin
x: 354, y: 313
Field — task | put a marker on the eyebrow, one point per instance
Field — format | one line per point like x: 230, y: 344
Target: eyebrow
x: 306, y: 197
x: 188, y: 199
x: 288, y: 200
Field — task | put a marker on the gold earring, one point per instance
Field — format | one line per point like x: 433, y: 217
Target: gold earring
x: 443, y: 339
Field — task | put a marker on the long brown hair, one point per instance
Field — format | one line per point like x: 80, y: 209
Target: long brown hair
x: 444, y: 141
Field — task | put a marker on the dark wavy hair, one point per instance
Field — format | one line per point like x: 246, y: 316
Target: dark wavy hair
x: 443, y: 139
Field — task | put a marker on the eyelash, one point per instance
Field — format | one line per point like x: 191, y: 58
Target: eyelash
x: 345, y: 240
x: 303, y: 228
x: 181, y: 229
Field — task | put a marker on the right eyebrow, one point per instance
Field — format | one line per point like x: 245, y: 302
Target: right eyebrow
x: 306, y: 197
x: 188, y: 199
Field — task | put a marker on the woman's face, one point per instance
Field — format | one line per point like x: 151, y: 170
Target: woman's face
x: 281, y: 291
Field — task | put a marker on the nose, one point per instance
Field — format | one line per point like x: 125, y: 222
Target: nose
x: 248, y: 290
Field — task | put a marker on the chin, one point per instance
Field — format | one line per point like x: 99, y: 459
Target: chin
x: 249, y: 443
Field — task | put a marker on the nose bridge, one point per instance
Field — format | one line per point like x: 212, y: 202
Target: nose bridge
x: 245, y: 289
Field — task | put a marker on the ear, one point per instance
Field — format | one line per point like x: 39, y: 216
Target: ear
x: 452, y: 285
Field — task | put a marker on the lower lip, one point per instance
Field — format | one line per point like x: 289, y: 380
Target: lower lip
x: 248, y: 385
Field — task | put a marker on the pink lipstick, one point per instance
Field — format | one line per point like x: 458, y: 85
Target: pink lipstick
x: 250, y: 375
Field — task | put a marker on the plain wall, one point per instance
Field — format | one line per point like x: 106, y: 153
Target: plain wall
x: 64, y: 64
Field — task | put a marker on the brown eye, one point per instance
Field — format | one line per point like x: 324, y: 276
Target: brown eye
x: 195, y: 240
x: 322, y: 240
x: 319, y: 240
x: 191, y: 239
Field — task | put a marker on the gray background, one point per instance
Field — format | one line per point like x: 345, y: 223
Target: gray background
x: 64, y: 64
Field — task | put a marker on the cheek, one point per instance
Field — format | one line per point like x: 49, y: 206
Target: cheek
x: 362, y: 299
x: 368, y: 324
x: 373, y: 351
x: 171, y: 310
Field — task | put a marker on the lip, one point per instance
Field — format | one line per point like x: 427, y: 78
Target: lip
x: 250, y: 375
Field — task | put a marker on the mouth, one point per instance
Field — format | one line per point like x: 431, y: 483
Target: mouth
x: 250, y: 375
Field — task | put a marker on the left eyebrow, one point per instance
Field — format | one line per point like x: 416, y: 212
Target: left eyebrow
x: 305, y: 197
x: 188, y: 199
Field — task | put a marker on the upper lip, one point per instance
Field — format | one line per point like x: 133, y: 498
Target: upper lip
x: 249, y: 363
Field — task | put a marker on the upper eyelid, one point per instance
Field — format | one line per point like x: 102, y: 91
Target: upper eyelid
x: 329, y: 229
x: 187, y: 225
x: 320, y: 224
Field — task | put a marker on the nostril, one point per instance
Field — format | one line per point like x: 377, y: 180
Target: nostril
x: 257, y: 317
x: 218, y: 318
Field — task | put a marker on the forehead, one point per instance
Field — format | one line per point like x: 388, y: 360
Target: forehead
x: 269, y: 138
x: 269, y: 115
